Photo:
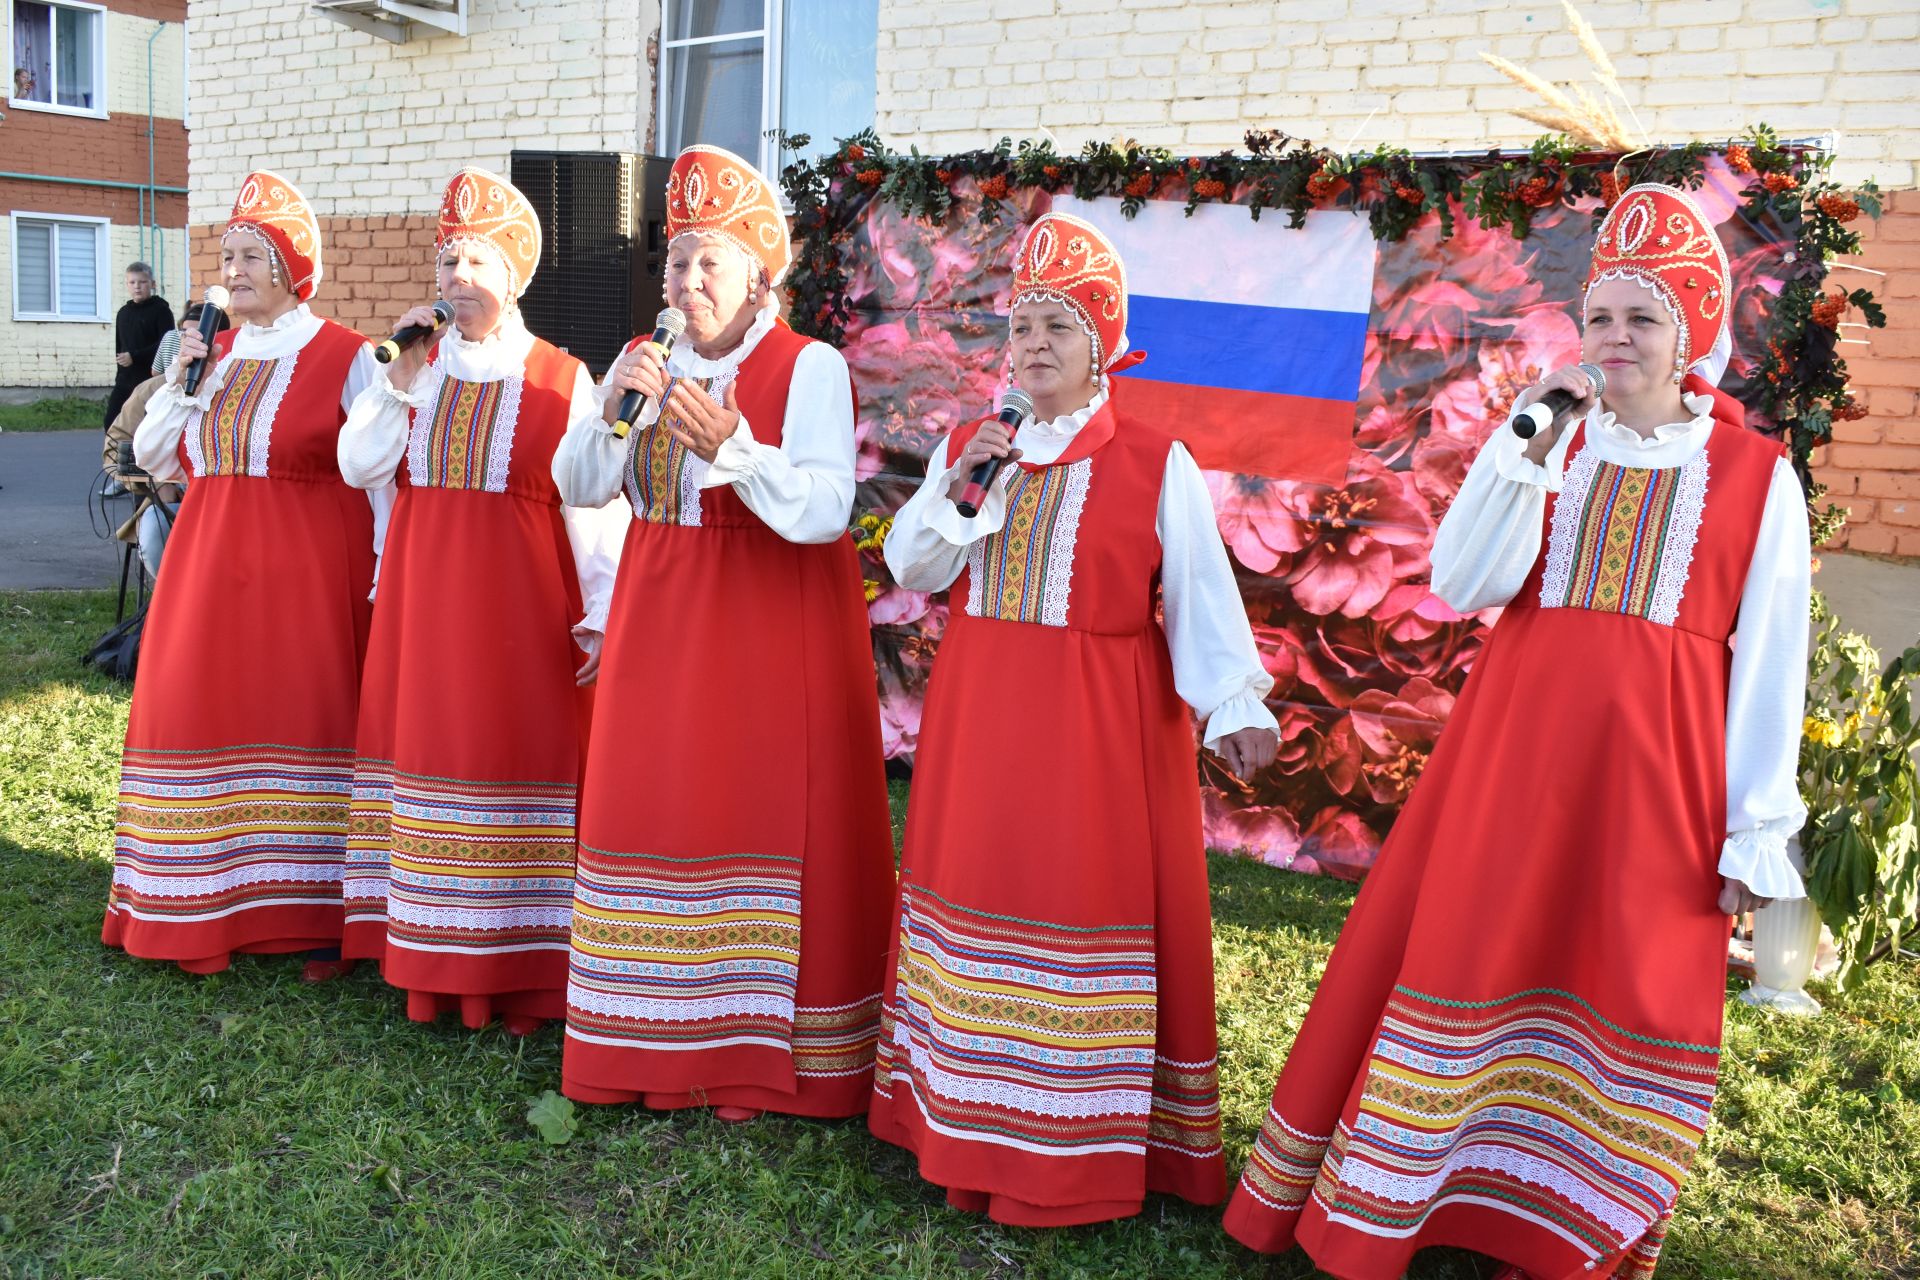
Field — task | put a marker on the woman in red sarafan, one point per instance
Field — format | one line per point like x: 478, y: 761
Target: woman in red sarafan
x: 1516, y: 1043
x: 472, y: 728
x: 1048, y: 1051
x: 730, y: 904
x: 237, y: 776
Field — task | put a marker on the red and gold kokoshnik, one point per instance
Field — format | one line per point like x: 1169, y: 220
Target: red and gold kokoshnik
x: 273, y: 209
x: 484, y: 208
x: 1065, y: 260
x: 714, y: 192
x: 1656, y: 234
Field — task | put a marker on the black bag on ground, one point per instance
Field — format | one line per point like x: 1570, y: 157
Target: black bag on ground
x: 117, y: 653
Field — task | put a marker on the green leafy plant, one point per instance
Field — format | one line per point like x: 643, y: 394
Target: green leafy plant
x: 1860, y: 842
x: 553, y: 1116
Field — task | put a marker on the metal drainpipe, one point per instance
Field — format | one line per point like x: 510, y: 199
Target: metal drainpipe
x: 153, y: 196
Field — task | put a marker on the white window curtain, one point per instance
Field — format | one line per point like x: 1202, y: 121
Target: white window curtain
x: 735, y: 70
x: 58, y: 268
x: 56, y: 58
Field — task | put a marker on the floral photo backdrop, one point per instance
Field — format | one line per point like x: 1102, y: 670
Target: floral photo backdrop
x: 1477, y: 290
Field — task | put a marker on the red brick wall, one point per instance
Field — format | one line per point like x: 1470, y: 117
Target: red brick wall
x: 81, y: 147
x: 1873, y: 466
x: 155, y: 10
x: 375, y: 268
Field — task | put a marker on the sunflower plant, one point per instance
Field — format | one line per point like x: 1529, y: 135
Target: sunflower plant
x: 1857, y: 778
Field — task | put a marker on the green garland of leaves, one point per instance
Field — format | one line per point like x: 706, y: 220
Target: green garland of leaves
x: 1803, y: 379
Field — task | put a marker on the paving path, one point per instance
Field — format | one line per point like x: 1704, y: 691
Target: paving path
x: 46, y: 538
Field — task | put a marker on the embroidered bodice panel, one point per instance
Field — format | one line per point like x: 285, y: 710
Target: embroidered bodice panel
x: 1623, y: 538
x: 664, y: 477
x: 465, y: 441
x: 1024, y: 572
x: 232, y: 436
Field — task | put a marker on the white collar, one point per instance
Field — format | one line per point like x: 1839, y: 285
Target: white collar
x: 501, y: 354
x: 1068, y: 424
x: 283, y: 337
x: 286, y: 321
x: 1043, y: 442
x: 685, y: 362
x: 1669, y: 444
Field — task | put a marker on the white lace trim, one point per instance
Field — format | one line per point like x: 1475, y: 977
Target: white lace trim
x: 262, y: 433
x: 506, y: 420
x: 644, y: 1009
x: 977, y: 575
x: 1676, y: 559
x: 1564, y: 538
x: 260, y: 429
x: 427, y: 391
x: 1030, y: 1099
x: 693, y: 470
x: 1053, y: 599
x: 252, y: 873
x: 1057, y: 576
x: 1364, y: 1176
x: 479, y: 919
x: 1683, y: 531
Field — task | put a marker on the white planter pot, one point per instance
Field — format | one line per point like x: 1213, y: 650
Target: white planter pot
x: 1786, y: 934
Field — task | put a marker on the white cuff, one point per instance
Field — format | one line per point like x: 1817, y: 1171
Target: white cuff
x: 734, y: 459
x: 1241, y: 711
x: 588, y: 634
x: 596, y: 619
x: 387, y: 391
x: 944, y: 518
x: 1510, y: 460
x: 174, y: 388
x: 1766, y: 859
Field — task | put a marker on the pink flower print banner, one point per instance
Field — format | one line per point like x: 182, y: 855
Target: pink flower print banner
x: 1367, y: 662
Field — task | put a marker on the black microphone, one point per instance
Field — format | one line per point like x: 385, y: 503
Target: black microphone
x: 667, y: 327
x: 1015, y: 408
x: 404, y: 338
x: 213, y: 314
x: 1553, y: 407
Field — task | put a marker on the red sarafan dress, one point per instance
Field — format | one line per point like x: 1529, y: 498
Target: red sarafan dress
x: 472, y: 731
x: 235, y: 785
x: 1516, y: 1043
x: 1048, y: 1050
x: 736, y: 858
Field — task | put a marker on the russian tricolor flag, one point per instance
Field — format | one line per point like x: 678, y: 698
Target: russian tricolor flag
x: 1256, y: 332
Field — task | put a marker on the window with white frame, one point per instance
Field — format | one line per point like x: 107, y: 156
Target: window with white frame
x: 57, y: 56
x: 731, y: 71
x: 59, y: 268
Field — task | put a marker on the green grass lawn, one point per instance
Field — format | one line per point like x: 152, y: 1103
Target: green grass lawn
x: 244, y: 1125
x: 57, y: 413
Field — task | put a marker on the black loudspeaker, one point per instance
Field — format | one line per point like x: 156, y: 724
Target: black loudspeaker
x: 603, y: 250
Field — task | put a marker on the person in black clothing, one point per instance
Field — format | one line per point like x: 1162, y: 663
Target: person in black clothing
x: 142, y: 322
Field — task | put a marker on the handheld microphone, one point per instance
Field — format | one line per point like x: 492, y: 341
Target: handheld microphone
x: 213, y: 314
x: 667, y: 327
x: 1015, y: 408
x: 404, y: 338
x: 1554, y: 406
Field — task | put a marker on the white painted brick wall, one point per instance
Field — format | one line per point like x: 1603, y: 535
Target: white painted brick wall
x: 1195, y: 75
x: 367, y: 128
x: 127, y: 40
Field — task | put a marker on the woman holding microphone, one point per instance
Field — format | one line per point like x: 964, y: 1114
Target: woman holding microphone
x: 730, y: 904
x: 1048, y: 1049
x: 1515, y: 1045
x: 493, y: 597
x: 238, y: 770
